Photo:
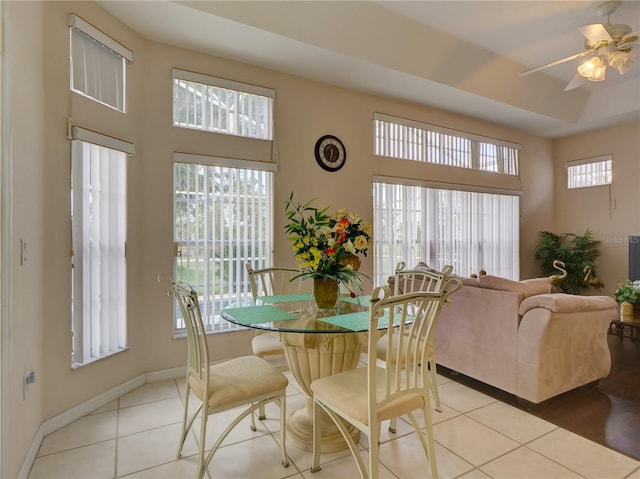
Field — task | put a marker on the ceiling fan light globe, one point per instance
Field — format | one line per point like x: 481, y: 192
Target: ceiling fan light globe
x: 628, y: 65
x: 618, y: 58
x: 598, y: 73
x: 587, y: 68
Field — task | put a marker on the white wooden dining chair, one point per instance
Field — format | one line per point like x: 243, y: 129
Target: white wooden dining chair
x: 245, y: 381
x: 408, y: 280
x: 367, y: 396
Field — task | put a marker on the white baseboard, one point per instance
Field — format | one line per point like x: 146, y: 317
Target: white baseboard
x: 87, y: 407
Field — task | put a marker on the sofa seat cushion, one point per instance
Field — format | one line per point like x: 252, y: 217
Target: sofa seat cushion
x: 527, y: 287
x: 566, y: 303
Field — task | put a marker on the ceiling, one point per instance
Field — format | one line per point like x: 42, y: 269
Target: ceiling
x: 461, y: 56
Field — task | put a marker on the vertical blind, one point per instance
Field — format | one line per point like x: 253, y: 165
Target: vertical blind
x: 411, y: 140
x: 223, y: 219
x: 466, y: 229
x: 98, y: 64
x: 589, y: 172
x: 98, y: 208
x: 223, y: 106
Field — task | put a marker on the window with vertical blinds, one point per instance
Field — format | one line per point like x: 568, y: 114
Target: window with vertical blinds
x: 589, y: 172
x: 98, y: 64
x: 224, y: 106
x: 470, y: 230
x: 99, y: 221
x: 223, y: 216
x: 412, y: 140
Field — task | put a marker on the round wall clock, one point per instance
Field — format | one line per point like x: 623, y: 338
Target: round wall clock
x: 330, y: 153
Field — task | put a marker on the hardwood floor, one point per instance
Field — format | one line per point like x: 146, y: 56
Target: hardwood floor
x: 608, y: 413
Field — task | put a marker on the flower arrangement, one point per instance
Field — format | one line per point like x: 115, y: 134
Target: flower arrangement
x: 628, y: 292
x: 320, y: 240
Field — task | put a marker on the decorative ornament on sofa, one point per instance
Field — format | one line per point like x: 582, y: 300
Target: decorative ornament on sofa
x: 578, y: 253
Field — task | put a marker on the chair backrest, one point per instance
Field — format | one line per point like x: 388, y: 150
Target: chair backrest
x: 409, y: 280
x: 198, y: 357
x: 273, y: 281
x: 409, y: 321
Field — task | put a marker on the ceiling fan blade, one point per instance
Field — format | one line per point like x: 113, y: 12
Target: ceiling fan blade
x: 557, y: 62
x: 595, y: 33
x: 628, y: 39
x: 575, y: 82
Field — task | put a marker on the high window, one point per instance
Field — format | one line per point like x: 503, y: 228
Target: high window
x: 219, y: 105
x: 589, y: 172
x: 412, y: 140
x: 470, y: 230
x: 98, y: 64
x: 99, y: 233
x: 223, y: 219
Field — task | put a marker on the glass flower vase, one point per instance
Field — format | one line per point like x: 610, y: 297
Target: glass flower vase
x: 325, y: 292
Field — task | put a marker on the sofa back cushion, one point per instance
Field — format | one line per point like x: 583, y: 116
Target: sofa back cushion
x: 527, y: 287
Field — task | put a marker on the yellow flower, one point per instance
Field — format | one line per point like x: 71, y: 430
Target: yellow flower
x: 361, y: 242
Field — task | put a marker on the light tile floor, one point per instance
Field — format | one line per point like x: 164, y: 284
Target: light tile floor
x: 476, y: 437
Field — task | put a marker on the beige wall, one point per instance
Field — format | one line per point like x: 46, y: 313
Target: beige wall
x: 612, y: 213
x: 304, y: 111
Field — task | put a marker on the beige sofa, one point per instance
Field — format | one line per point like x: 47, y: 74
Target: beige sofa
x: 518, y: 337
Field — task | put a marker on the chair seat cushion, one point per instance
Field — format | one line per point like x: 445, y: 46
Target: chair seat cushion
x: 347, y: 392
x: 240, y: 379
x: 267, y: 343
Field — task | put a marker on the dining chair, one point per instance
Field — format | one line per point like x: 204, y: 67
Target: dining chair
x: 270, y: 282
x: 408, y: 280
x: 367, y: 396
x: 245, y: 381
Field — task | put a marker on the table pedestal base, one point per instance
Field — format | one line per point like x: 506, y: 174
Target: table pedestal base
x: 312, y: 356
x: 300, y: 430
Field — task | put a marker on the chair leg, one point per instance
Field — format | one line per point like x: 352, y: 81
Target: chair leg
x: 392, y: 425
x: 283, y: 427
x: 317, y: 420
x: 203, y: 435
x: 261, y: 414
x: 185, y: 415
x: 374, y: 447
x: 426, y: 439
x: 433, y: 385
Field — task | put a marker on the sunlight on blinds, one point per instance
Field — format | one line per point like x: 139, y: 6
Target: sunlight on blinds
x: 223, y: 219
x: 468, y: 230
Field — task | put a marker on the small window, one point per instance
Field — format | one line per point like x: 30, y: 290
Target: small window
x: 589, y: 172
x: 98, y: 64
x: 413, y: 140
x: 208, y: 103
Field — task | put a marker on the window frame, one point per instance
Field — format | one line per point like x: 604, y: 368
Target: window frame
x: 580, y: 168
x: 86, y: 331
x: 104, y: 42
x: 211, y: 315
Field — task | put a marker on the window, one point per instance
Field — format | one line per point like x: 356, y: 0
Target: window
x: 223, y: 219
x: 98, y: 64
x: 99, y: 220
x: 589, y: 172
x: 412, y: 140
x: 215, y: 104
x: 470, y: 230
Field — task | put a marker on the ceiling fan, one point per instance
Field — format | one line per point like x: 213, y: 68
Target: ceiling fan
x: 607, y: 44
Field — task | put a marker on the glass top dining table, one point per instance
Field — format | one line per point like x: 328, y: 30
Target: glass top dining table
x: 297, y: 313
x: 316, y: 343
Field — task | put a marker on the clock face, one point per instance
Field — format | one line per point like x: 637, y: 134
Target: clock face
x: 330, y: 153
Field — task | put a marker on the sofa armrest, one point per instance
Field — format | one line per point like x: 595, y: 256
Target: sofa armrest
x: 566, y: 303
